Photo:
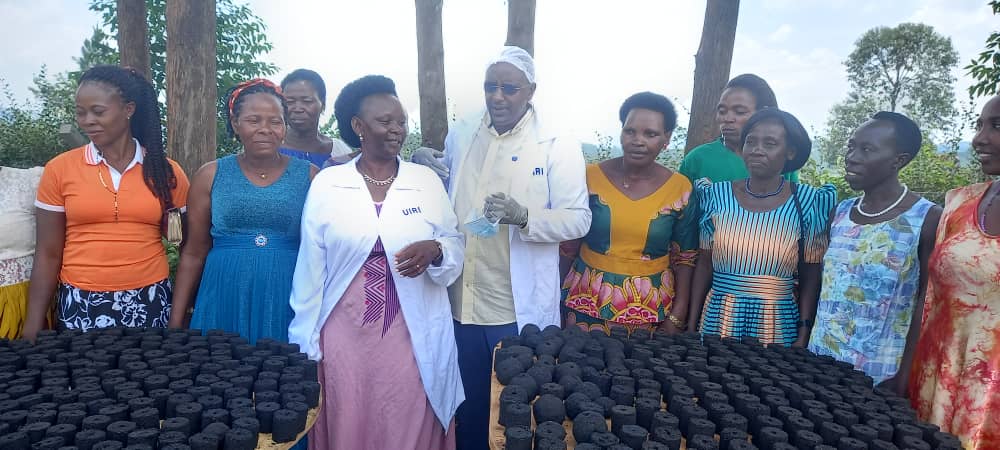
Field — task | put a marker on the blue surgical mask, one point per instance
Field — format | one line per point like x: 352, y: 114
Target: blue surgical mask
x: 481, y: 225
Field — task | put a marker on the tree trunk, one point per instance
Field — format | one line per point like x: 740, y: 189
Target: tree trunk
x: 711, y: 69
x: 430, y: 74
x: 521, y: 24
x: 191, y: 89
x: 133, y: 36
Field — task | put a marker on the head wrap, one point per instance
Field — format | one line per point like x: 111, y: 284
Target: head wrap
x: 240, y: 87
x: 517, y: 57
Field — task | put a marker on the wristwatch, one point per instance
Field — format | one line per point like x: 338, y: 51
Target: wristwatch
x: 804, y: 323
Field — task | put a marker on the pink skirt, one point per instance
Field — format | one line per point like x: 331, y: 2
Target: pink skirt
x: 373, y: 397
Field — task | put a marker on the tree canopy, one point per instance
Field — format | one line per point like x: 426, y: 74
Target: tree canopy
x: 241, y: 42
x: 985, y: 67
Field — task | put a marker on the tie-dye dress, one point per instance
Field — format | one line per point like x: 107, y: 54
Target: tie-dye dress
x: 755, y: 258
x: 955, y: 380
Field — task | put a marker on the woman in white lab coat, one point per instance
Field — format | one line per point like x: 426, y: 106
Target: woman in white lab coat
x: 379, y: 247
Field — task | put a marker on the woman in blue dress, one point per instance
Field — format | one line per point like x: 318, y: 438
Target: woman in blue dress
x: 243, y: 224
x: 762, y: 240
x: 305, y: 95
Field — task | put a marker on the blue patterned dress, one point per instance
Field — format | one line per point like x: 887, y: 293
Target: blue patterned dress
x: 247, y: 279
x: 871, y: 276
x: 755, y: 256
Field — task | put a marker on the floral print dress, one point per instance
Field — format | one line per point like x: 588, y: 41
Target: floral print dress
x: 871, y: 276
x: 623, y: 273
x: 955, y: 380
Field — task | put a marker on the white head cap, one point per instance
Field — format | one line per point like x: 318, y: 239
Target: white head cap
x: 517, y: 57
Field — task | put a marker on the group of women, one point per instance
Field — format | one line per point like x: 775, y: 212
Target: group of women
x: 354, y: 262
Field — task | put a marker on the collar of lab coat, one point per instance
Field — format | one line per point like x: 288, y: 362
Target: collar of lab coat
x: 542, y: 132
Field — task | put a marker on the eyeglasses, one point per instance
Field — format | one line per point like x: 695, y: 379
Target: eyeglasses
x: 507, y: 89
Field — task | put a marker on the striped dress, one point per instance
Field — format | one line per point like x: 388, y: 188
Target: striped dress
x: 754, y: 259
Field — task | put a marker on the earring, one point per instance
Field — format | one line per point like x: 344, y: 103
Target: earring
x: 361, y: 138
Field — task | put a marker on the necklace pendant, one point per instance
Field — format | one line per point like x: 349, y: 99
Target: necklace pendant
x: 263, y: 175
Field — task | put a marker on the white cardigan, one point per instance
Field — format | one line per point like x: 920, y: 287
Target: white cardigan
x: 339, y: 229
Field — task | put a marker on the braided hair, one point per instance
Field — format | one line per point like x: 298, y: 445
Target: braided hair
x: 236, y: 96
x: 145, y: 126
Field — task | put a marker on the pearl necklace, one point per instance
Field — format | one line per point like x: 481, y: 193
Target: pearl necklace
x: 857, y: 206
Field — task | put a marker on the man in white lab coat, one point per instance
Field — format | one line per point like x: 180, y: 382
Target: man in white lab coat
x: 518, y: 190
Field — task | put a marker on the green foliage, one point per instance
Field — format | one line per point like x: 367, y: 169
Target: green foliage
x: 173, y: 257
x: 985, y: 68
x: 241, y: 39
x: 906, y: 69
x: 95, y: 51
x: 28, y: 132
x: 844, y: 118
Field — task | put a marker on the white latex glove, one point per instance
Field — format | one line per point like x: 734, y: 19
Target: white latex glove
x: 506, y: 209
x: 429, y: 157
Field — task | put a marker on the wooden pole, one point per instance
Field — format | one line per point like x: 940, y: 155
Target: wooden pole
x: 711, y: 69
x: 430, y: 74
x: 521, y: 24
x: 191, y: 85
x: 133, y: 36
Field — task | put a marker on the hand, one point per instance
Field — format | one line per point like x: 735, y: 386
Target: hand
x: 413, y: 260
x: 342, y: 159
x: 426, y: 156
x: 30, y: 332
x: 893, y: 384
x: 177, y: 319
x: 506, y: 209
x: 668, y: 327
x: 801, y: 342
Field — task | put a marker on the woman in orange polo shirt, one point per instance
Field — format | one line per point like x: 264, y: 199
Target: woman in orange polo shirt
x: 101, y: 209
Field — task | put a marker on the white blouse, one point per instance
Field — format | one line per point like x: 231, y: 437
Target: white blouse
x: 17, y: 223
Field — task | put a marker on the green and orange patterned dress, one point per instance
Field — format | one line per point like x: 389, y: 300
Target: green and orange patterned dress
x: 955, y: 380
x: 623, y: 273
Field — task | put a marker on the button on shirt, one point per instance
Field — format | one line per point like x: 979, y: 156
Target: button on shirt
x: 483, y: 294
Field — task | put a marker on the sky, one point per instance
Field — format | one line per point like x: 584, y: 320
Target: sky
x: 590, y: 54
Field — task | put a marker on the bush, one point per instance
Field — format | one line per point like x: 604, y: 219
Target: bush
x: 29, y: 134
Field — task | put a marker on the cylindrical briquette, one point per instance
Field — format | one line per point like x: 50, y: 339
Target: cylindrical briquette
x: 119, y: 430
x: 65, y: 431
x: 832, y: 432
x: 86, y: 438
x: 144, y: 436
x: 146, y: 418
x: 285, y: 425
x: 633, y: 436
x: 670, y: 436
x: 204, y: 441
x: 240, y: 439
x: 97, y: 422
x: 622, y: 415
x: 265, y: 414
x: 587, y: 423
x: 179, y: 424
